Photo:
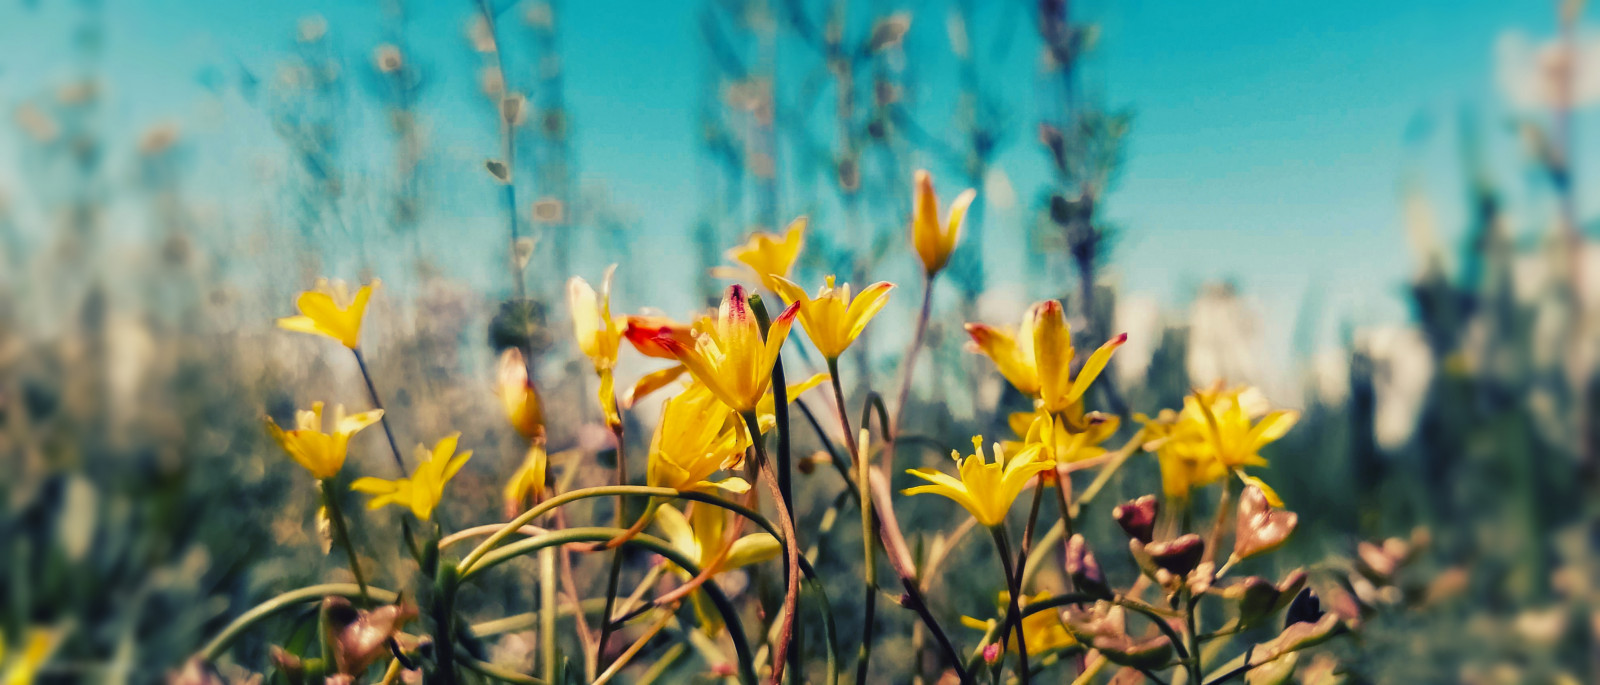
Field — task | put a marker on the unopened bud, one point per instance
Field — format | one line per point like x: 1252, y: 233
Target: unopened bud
x: 1137, y: 517
x: 1179, y: 555
x: 992, y: 653
x: 1084, y: 570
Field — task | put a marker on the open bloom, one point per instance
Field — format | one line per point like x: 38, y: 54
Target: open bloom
x: 321, y: 453
x: 642, y: 332
x: 768, y: 255
x: 698, y: 435
x: 1056, y: 439
x: 423, y: 490
x: 700, y: 538
x: 329, y: 309
x: 933, y: 239
x: 833, y: 320
x: 520, y: 398
x: 1037, y: 360
x: 1215, y: 434
x: 598, y: 334
x: 730, y: 357
x: 986, y: 489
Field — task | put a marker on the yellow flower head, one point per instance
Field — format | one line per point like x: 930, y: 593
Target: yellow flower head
x: 700, y: 538
x: 423, y: 490
x: 599, y: 335
x: 1043, y: 629
x: 933, y: 239
x: 1058, y: 440
x: 520, y: 398
x: 730, y: 357
x: 24, y: 667
x: 321, y: 453
x: 698, y: 435
x: 986, y: 489
x: 833, y: 319
x: 1037, y: 360
x: 767, y: 255
x: 1215, y: 434
x: 329, y: 309
x: 526, y: 487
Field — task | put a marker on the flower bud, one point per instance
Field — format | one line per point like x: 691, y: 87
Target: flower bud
x: 1179, y: 555
x: 1137, y: 517
x: 992, y: 653
x: 1304, y: 609
x: 360, y: 637
x: 521, y: 400
x: 1084, y: 570
x: 1260, y: 528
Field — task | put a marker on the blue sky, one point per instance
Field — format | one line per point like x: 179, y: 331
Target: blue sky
x: 1268, y: 146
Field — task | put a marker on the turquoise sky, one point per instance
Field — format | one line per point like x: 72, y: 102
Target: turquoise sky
x: 1268, y: 147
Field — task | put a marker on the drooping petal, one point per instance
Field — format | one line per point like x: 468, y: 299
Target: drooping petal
x: 752, y: 549
x: 1093, y: 366
x: 676, y: 527
x: 1001, y: 348
x: 651, y: 382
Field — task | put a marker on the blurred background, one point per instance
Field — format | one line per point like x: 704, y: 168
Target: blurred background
x: 1379, y: 213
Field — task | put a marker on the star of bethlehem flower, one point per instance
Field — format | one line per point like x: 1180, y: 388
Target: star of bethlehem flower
x: 833, y: 319
x: 1058, y: 441
x: 985, y: 488
x: 766, y: 255
x: 1217, y: 432
x: 697, y: 436
x: 329, y: 309
x: 320, y: 453
x: 935, y: 240
x: 1037, y: 359
x: 517, y: 394
x: 730, y: 357
x: 598, y: 333
x: 699, y: 537
x: 423, y: 490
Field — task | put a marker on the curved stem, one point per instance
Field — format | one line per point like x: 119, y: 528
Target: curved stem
x: 372, y: 393
x: 730, y: 614
x: 284, y: 602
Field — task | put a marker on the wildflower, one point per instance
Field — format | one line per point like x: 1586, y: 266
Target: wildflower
x: 521, y: 399
x: 730, y: 357
x: 1044, y: 630
x: 833, y: 320
x: 1059, y: 442
x: 423, y: 490
x: 321, y: 453
x: 697, y: 436
x: 642, y: 332
x: 935, y: 240
x: 526, y: 486
x: 23, y: 669
x: 1214, y: 436
x: 329, y: 309
x: 700, y: 538
x: 766, y: 254
x: 598, y: 335
x: 1037, y: 360
x: 986, y: 489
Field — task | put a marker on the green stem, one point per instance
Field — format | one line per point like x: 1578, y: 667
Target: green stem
x: 372, y: 393
x: 284, y: 602
x: 907, y: 370
x: 868, y: 539
x: 614, y: 575
x: 791, y: 570
x: 730, y: 614
x: 1014, y: 613
x: 330, y: 500
x: 780, y: 415
x: 444, y: 623
x: 1196, y: 672
x: 547, y: 611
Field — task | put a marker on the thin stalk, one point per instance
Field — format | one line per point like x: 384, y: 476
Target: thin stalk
x: 1058, y: 531
x: 791, y: 595
x: 1196, y: 672
x: 633, y: 649
x: 444, y: 622
x: 906, y: 372
x: 868, y: 540
x: 780, y: 414
x: 1033, y: 519
x: 330, y: 500
x: 372, y: 393
x: 1014, y: 613
x: 547, y: 612
x: 614, y: 577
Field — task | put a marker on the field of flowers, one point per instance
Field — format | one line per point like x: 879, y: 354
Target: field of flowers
x: 235, y: 454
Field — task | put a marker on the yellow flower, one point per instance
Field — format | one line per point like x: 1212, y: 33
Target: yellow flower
x: 767, y: 254
x: 423, y: 490
x: 833, y: 320
x: 643, y: 332
x: 1216, y: 434
x: 24, y: 669
x: 730, y: 357
x: 1058, y: 441
x: 696, y: 437
x: 935, y: 240
x: 986, y: 489
x: 321, y: 453
x: 328, y: 309
x: 520, y: 398
x: 599, y: 335
x: 1044, y: 629
x: 526, y: 487
x: 1038, y: 359
x: 699, y: 537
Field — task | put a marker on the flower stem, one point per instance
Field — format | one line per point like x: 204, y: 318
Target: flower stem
x: 330, y: 500
x: 1196, y: 672
x: 868, y: 539
x: 791, y: 570
x: 1014, y: 613
x: 907, y: 369
x: 613, y: 580
x: 372, y: 392
x: 547, y: 612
